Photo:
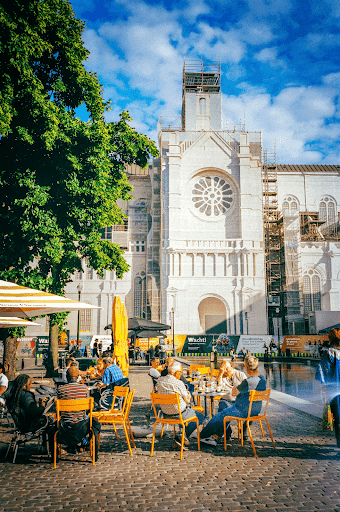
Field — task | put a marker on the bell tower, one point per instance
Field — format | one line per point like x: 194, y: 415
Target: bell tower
x: 201, y: 96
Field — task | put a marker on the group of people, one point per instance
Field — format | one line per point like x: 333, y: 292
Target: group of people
x: 169, y: 379
x: 28, y: 413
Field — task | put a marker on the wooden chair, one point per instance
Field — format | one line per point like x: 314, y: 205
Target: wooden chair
x: 254, y: 396
x: 120, y: 417
x: 157, y: 399
x: 75, y: 405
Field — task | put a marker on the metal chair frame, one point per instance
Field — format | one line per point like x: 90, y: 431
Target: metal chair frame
x: 75, y: 405
x: 20, y: 437
x: 172, y: 399
x: 254, y: 396
x: 120, y: 417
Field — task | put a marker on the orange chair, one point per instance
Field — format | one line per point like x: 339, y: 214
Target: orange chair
x: 81, y: 404
x: 157, y: 399
x: 194, y: 367
x: 214, y: 372
x: 119, y: 392
x: 204, y: 371
x: 120, y: 417
x: 254, y: 396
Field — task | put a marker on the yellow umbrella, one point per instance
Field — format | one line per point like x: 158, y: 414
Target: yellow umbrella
x: 120, y: 331
x: 116, y: 319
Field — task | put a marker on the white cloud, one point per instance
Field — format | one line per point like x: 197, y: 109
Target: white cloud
x: 267, y: 55
x: 293, y: 119
x: 139, y: 58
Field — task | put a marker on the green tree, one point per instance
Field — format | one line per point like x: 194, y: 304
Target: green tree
x: 60, y: 177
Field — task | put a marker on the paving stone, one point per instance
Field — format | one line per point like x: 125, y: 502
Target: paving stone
x: 302, y: 474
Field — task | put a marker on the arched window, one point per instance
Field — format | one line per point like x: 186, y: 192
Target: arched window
x: 327, y: 209
x: 203, y: 106
x: 311, y: 292
x: 139, y: 297
x: 290, y: 205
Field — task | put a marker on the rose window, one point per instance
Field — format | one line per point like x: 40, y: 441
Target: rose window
x: 212, y: 196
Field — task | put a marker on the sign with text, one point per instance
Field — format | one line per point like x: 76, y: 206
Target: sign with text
x: 198, y: 343
x: 41, y: 345
x: 303, y: 343
x: 254, y: 343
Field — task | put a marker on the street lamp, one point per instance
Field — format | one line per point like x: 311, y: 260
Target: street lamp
x: 173, y: 332
x: 79, y: 288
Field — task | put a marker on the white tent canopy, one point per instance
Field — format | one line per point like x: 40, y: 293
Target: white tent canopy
x: 13, y: 321
x: 24, y: 302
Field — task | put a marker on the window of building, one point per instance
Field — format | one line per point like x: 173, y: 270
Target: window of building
x: 327, y: 210
x: 311, y: 292
x: 85, y: 320
x: 139, y: 293
x: 290, y: 205
x: 124, y: 226
x: 89, y: 272
x: 212, y: 196
x: 140, y: 246
x: 106, y: 233
x: 203, y: 106
x: 78, y: 276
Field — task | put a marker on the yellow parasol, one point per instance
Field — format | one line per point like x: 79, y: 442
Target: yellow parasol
x: 120, y: 332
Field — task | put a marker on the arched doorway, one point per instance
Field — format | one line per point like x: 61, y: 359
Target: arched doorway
x: 213, y: 315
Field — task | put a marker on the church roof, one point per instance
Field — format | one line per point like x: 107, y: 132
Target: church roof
x: 306, y: 169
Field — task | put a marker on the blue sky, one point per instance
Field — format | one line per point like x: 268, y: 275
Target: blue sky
x: 279, y: 63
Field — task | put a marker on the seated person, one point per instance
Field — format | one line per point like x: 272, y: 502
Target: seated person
x: 74, y: 426
x: 170, y: 384
x: 155, y: 367
x: 164, y: 372
x: 227, y: 378
x: 112, y: 376
x: 3, y: 383
x: 27, y: 414
x: 241, y: 405
x: 97, y: 371
x: 69, y: 361
x: 154, y: 371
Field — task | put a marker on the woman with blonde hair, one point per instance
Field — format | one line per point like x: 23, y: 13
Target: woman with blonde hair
x: 328, y: 373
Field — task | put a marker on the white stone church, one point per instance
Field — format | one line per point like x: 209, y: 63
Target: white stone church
x: 220, y: 239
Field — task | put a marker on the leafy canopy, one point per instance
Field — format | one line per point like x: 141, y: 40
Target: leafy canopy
x: 60, y: 177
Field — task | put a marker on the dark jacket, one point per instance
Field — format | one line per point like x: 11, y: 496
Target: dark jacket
x: 29, y: 414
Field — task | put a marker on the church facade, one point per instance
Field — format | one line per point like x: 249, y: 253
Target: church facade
x: 220, y: 239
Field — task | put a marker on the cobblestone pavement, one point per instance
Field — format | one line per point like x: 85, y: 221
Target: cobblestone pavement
x: 302, y: 474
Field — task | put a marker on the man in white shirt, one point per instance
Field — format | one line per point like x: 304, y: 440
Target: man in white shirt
x: 171, y: 384
x: 153, y: 370
x: 3, y: 382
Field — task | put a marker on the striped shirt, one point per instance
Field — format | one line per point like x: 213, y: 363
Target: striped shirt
x: 72, y: 391
x: 169, y: 385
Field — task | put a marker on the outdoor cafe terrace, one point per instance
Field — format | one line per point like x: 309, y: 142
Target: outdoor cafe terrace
x: 302, y: 474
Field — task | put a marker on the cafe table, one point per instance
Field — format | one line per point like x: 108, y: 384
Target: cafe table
x: 209, y: 394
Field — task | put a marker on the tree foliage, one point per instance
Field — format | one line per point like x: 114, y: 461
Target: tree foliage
x: 60, y: 177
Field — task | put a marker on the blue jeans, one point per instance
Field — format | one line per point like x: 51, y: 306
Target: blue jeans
x: 215, y: 425
x: 188, y: 413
